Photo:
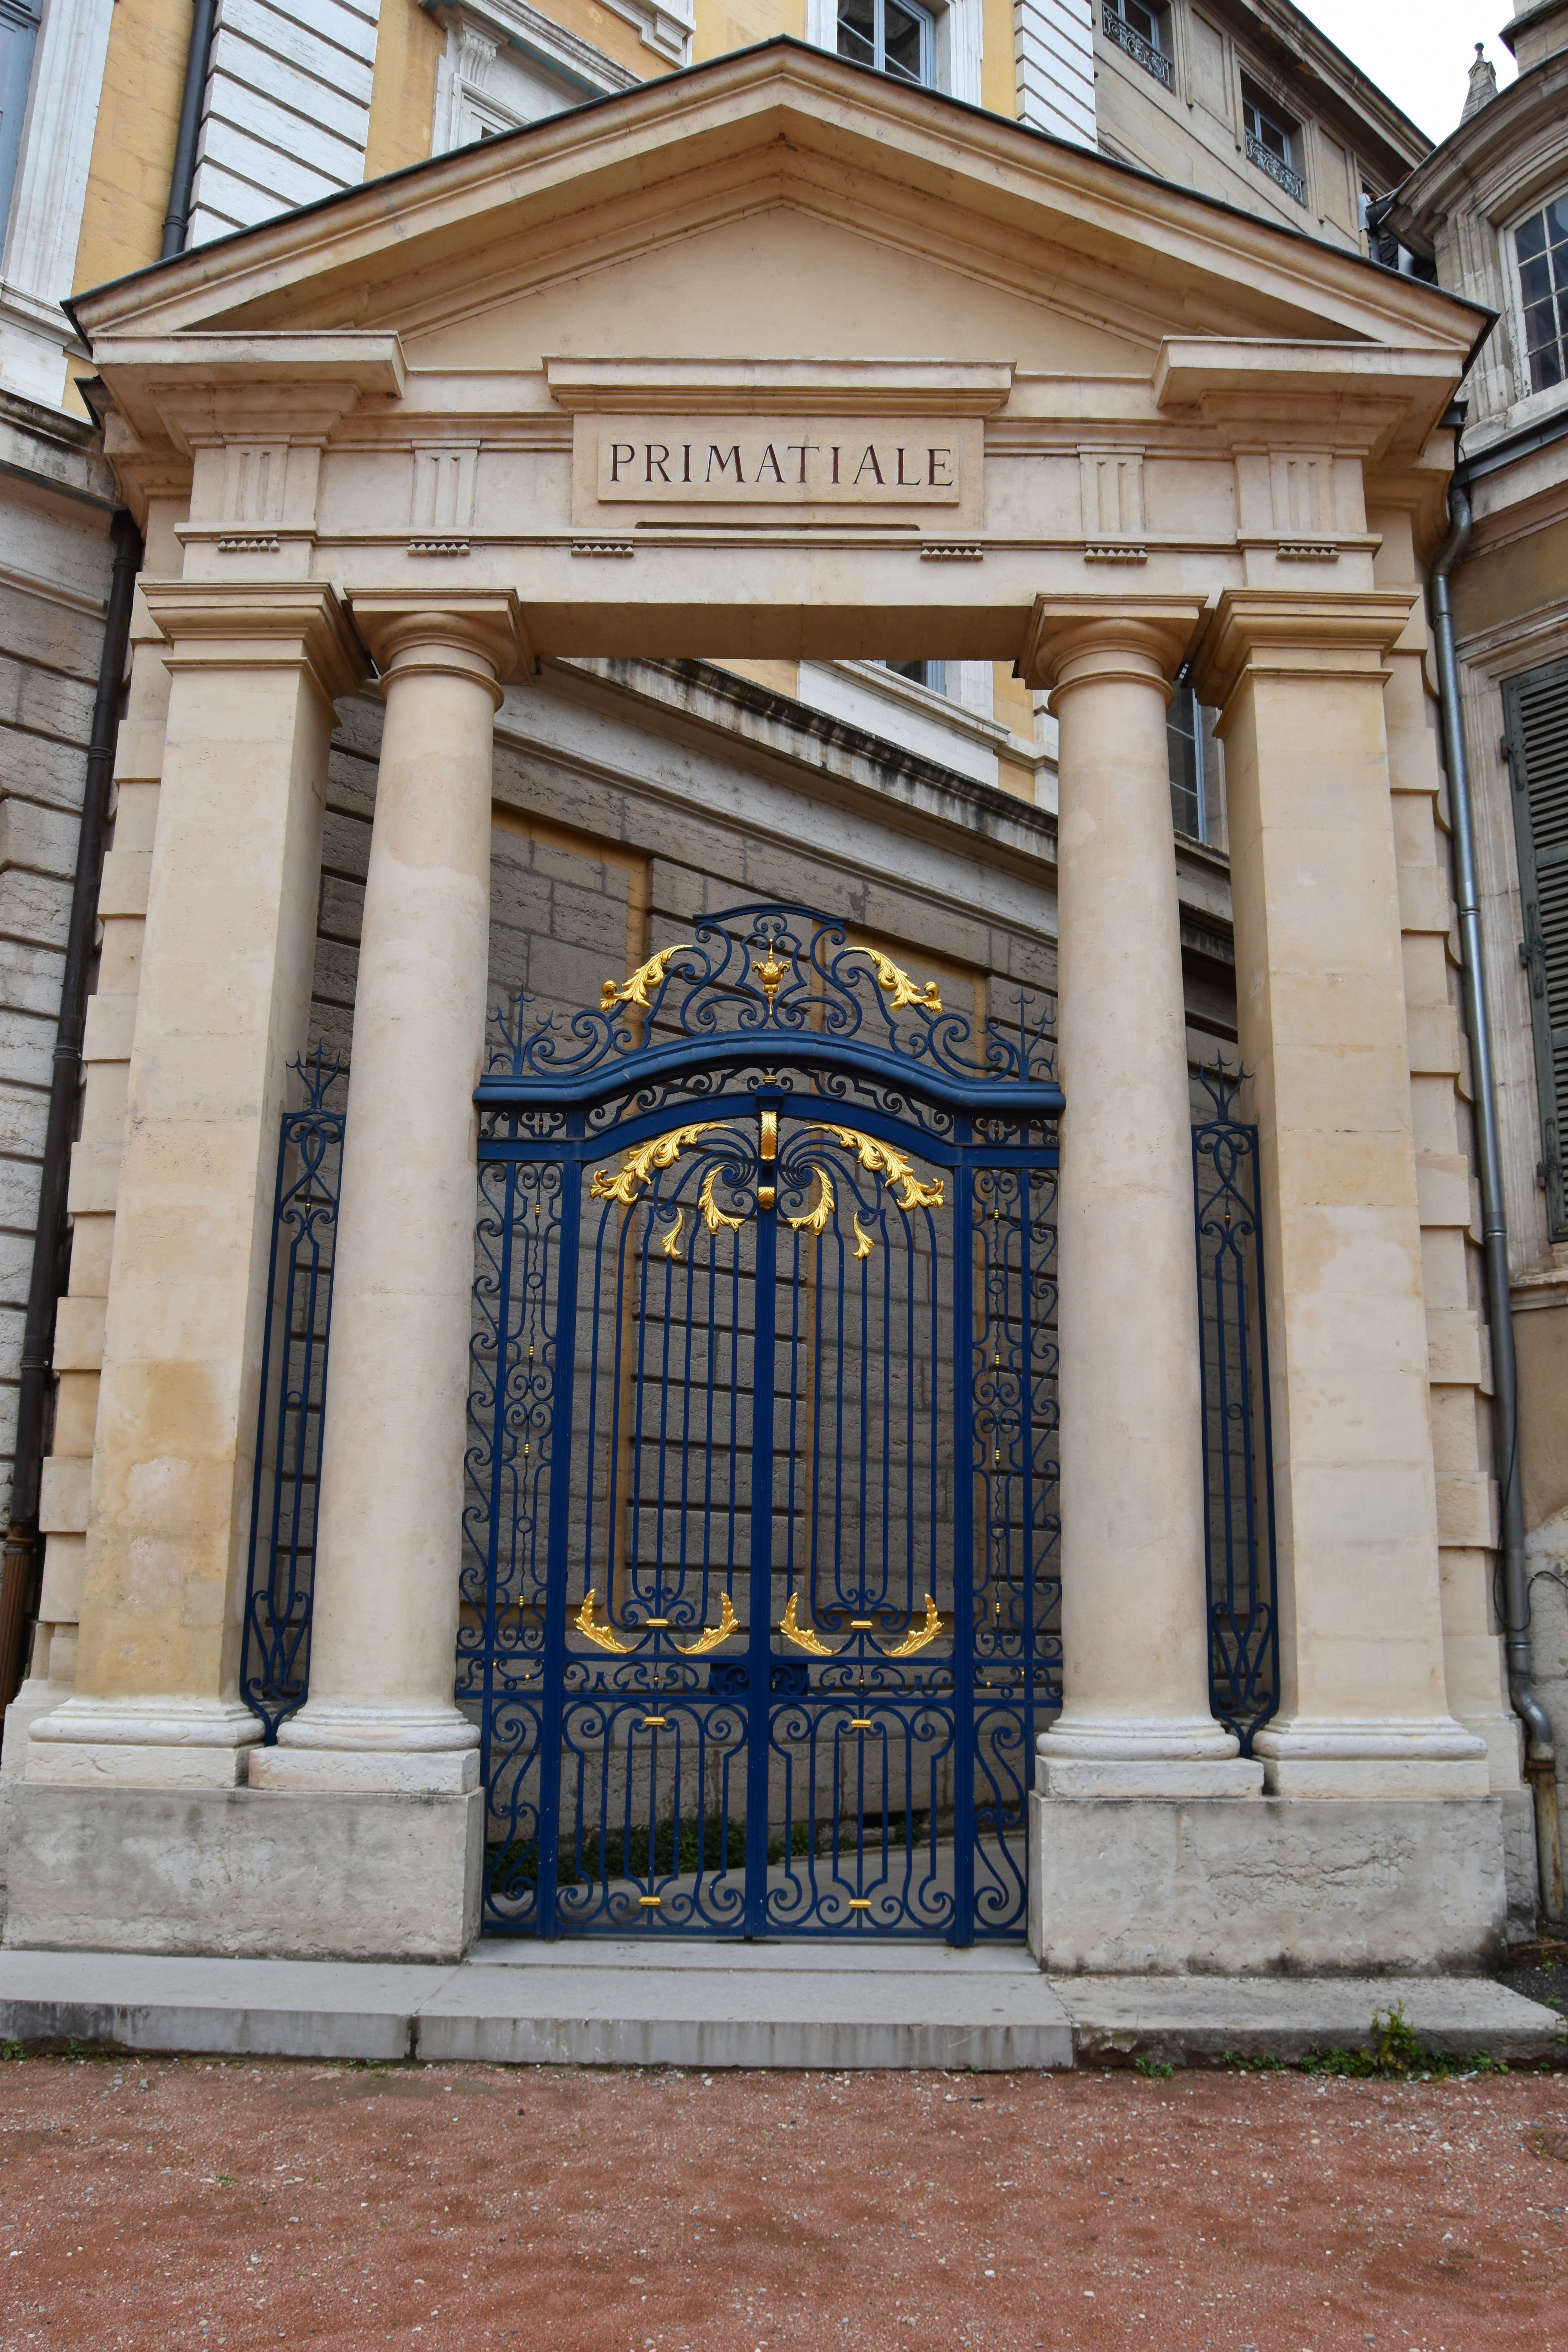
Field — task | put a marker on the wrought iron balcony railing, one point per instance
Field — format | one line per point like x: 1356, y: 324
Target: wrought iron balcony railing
x: 1141, y: 52
x: 1277, y: 168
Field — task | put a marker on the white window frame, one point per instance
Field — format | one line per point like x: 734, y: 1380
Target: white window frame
x: 471, y: 95
x: 1526, y: 400
x: 958, y: 41
x: 48, y: 197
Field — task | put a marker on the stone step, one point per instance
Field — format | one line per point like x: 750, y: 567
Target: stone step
x: 718, y: 2005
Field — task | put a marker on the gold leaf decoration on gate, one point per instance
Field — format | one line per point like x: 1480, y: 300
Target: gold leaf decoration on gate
x: 713, y: 1216
x: 710, y: 1637
x: 602, y: 1634
x: 815, y: 1221
x: 897, y: 985
x: 639, y: 989
x: 865, y: 1243
x: 896, y: 1172
x: 803, y: 1636
x: 917, y: 1635
x: 640, y: 1166
x: 670, y: 1245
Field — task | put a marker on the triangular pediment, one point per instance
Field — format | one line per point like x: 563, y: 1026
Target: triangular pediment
x: 781, y: 201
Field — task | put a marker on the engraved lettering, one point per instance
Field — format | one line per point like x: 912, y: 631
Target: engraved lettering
x: 904, y: 482
x: 868, y: 460
x: 658, y: 455
x: 944, y: 481
x: 769, y: 457
x: 621, y: 454
x: 804, y: 448
x: 836, y: 461
x: 686, y: 457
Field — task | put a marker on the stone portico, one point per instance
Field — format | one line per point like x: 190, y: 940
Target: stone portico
x: 593, y: 390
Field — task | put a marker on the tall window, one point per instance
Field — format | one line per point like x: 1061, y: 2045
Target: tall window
x: 1273, y: 142
x: 1535, y: 708
x: 932, y: 674
x: 894, y: 35
x: 1542, y: 244
x: 1144, y: 33
x: 1195, y: 768
x: 19, y: 28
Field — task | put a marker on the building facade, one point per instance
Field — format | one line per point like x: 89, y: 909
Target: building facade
x: 1208, y: 491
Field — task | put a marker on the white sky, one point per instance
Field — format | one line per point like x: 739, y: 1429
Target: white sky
x: 1419, y: 51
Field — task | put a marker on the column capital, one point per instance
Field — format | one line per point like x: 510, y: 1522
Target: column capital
x: 1072, y: 638
x: 257, y: 625
x: 405, y: 628
x: 1272, y: 631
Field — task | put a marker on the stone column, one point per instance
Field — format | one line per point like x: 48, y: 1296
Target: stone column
x: 381, y: 1714
x: 230, y: 895
x: 1322, y: 1015
x: 1135, y: 1720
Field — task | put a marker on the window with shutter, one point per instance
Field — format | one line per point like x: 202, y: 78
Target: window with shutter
x: 1536, y: 711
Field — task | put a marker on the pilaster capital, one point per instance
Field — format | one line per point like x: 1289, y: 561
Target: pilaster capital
x: 1071, y: 640
x: 424, y: 628
x: 257, y: 625
x: 1260, y: 632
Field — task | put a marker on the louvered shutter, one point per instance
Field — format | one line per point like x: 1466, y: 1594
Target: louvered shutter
x: 1536, y: 712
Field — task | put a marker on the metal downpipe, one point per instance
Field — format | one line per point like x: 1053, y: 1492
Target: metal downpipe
x: 182, y: 177
x: 18, y: 1585
x: 1541, y: 1764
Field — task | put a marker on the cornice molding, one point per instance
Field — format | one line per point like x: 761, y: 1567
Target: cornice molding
x: 1130, y: 636
x: 257, y: 625
x: 1299, y: 633
x: 1482, y: 165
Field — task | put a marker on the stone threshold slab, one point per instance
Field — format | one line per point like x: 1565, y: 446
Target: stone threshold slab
x: 1195, y: 2020
x: 789, y: 2006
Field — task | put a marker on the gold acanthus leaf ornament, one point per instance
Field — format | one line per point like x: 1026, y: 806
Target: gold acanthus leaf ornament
x: 917, y: 1635
x: 711, y: 1635
x: 802, y: 1635
x: 713, y: 1216
x: 602, y: 1634
x: 896, y: 1172
x: 816, y: 1220
x: 897, y: 985
x: 648, y: 976
x: 640, y: 1166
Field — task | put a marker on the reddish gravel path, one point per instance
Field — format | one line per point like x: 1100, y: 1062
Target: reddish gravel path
x: 181, y: 2206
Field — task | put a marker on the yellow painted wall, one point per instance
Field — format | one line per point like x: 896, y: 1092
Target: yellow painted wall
x: 998, y: 75
x: 724, y: 25
x: 608, y: 32
x: 402, y: 92
x: 134, y: 147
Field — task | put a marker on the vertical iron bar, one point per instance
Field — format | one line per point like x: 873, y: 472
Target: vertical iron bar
x: 760, y: 1652
x: 551, y: 1710
x: 963, y: 1932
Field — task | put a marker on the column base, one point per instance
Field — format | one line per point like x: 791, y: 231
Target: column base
x: 1339, y: 1887
x: 1183, y: 1756
x: 244, y: 1874
x: 1373, y: 1760
x: 352, y: 1745
x: 162, y: 1743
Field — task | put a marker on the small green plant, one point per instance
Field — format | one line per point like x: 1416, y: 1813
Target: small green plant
x: 1154, y: 2070
x: 12, y: 2050
x: 1251, y: 2062
x: 1396, y: 2054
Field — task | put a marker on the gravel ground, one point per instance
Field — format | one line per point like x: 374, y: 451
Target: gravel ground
x: 181, y: 2205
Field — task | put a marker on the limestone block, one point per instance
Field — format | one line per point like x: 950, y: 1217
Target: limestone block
x: 139, y: 751
x: 78, y: 1334
x: 126, y: 876
x: 35, y: 908
x: 24, y: 1117
x: 1443, y: 1190
x: 27, y: 1048
x: 1453, y: 1345
x: 245, y: 1872
x: 1424, y: 901
x: 94, y: 1177
x: 111, y: 1020
x: 1266, y: 1886
x: 59, y: 1594
x: 43, y: 839
x: 1468, y: 1509
x: 63, y: 1497
x: 1434, y: 1034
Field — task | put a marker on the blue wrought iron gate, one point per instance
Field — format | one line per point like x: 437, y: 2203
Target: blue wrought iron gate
x: 759, y: 1601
